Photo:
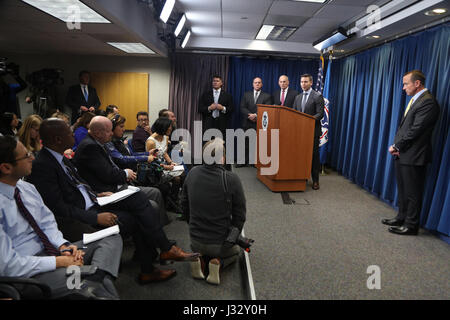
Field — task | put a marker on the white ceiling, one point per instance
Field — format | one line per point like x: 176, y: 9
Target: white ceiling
x: 216, y: 25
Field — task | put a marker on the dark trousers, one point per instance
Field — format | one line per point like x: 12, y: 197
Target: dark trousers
x: 315, y: 167
x: 138, y: 219
x: 410, y: 184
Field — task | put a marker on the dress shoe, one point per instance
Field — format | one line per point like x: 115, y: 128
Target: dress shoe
x: 214, y: 271
x: 404, y: 230
x: 177, y: 254
x: 157, y: 275
x: 392, y: 222
x: 108, y: 283
x: 316, y: 186
x: 198, y: 268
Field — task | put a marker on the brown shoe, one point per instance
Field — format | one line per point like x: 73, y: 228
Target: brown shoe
x: 177, y: 254
x: 157, y: 275
x: 316, y: 186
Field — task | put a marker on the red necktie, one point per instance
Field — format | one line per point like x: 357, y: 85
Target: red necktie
x: 48, y: 247
x: 282, y: 97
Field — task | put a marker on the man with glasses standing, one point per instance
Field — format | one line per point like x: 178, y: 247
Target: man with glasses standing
x: 141, y: 133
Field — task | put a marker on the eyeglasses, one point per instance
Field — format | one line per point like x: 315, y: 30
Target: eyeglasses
x: 27, y: 156
x: 142, y: 120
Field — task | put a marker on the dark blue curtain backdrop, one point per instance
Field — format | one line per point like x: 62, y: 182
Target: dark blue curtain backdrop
x: 243, y: 70
x: 367, y: 104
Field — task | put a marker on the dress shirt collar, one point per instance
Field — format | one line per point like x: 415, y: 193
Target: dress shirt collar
x: 214, y: 90
x: 309, y: 91
x: 8, y: 190
x: 418, y: 94
x: 58, y: 156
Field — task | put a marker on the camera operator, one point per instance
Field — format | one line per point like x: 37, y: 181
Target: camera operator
x: 10, y: 85
x: 214, y: 203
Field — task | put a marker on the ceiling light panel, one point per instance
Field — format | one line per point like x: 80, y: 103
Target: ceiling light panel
x: 167, y: 10
x: 131, y: 47
x: 68, y: 10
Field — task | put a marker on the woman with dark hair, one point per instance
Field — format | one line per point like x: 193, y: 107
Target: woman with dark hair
x: 8, y: 124
x: 160, y: 140
x: 81, y: 128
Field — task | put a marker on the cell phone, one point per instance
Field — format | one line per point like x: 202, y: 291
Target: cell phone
x: 84, y: 270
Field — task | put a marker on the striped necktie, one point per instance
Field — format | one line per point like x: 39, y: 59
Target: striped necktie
x: 77, y: 179
x: 282, y: 97
x: 305, y: 98
x: 48, y: 247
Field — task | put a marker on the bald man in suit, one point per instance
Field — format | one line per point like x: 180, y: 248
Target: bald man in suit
x: 285, y: 96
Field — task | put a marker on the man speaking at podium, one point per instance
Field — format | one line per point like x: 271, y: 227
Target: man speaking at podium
x: 311, y: 102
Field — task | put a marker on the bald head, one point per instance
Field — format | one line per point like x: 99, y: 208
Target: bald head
x: 100, y: 128
x: 56, y: 134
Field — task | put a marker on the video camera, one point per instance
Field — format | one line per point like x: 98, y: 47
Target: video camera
x: 8, y: 68
x: 45, y: 78
x: 235, y: 237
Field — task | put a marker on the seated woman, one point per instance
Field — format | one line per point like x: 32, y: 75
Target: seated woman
x: 81, y: 128
x: 159, y: 140
x: 8, y: 124
x: 29, y: 133
x: 214, y: 202
x: 119, y: 152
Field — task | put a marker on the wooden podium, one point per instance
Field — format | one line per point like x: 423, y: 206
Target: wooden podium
x: 296, y: 137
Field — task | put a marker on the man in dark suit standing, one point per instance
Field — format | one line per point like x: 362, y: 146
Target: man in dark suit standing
x: 249, y: 109
x: 412, y: 152
x: 82, y: 97
x: 216, y: 106
x: 285, y: 96
x: 311, y: 102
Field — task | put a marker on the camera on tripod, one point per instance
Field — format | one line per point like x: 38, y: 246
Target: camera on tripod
x: 45, y: 78
x: 235, y: 237
x: 8, y: 68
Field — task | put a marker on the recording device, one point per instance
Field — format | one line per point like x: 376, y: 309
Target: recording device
x: 45, y: 78
x: 235, y: 237
x: 8, y: 68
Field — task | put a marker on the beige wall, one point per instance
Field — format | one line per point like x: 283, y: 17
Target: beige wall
x: 157, y: 68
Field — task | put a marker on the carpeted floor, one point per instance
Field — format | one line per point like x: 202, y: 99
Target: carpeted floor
x: 322, y: 246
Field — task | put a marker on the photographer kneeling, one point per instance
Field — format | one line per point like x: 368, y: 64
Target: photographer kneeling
x: 214, y: 202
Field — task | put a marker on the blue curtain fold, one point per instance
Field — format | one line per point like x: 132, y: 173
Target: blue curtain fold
x: 243, y: 70
x: 368, y: 102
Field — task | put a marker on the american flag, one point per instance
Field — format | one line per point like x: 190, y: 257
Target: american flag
x: 319, y: 84
x: 325, y: 122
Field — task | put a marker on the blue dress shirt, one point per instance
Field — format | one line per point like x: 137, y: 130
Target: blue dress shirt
x: 18, y: 242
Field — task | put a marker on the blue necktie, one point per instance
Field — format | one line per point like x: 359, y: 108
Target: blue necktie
x: 86, y: 95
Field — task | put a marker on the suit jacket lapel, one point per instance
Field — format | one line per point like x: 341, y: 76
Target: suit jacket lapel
x: 412, y: 106
x: 61, y: 171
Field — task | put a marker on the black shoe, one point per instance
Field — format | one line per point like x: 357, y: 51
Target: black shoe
x: 108, y: 283
x: 92, y: 290
x: 392, y: 222
x: 404, y: 230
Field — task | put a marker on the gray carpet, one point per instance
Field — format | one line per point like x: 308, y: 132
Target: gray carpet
x: 321, y: 247
x: 183, y: 286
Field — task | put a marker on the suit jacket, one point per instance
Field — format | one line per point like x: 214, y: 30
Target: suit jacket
x: 288, y: 100
x: 62, y: 196
x: 221, y: 123
x: 75, y: 99
x: 248, y: 105
x: 314, y: 106
x: 413, y: 137
x: 96, y: 167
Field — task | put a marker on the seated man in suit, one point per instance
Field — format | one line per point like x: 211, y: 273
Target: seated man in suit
x: 285, y: 96
x: 82, y: 97
x: 99, y: 170
x: 141, y: 133
x: 249, y: 109
x: 31, y: 244
x: 311, y: 102
x: 70, y: 198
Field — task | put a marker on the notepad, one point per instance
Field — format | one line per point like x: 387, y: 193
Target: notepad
x: 115, y: 197
x: 91, y: 237
x: 178, y: 168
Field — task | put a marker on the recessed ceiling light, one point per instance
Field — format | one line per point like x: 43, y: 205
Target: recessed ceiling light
x: 373, y: 37
x: 436, y: 12
x: 180, y: 25
x: 318, y: 1
x: 131, y: 47
x: 186, y: 39
x: 167, y: 10
x: 264, y: 32
x: 67, y: 10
